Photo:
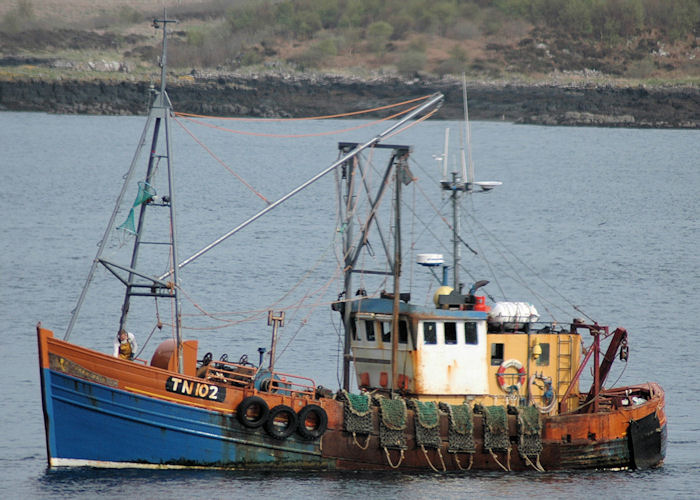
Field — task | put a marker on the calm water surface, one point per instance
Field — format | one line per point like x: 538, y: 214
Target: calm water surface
x: 607, y: 217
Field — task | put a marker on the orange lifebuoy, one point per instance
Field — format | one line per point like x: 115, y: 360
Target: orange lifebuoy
x: 500, y: 375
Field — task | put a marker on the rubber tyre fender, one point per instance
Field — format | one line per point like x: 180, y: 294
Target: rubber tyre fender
x: 250, y: 402
x: 321, y: 417
x: 279, y: 432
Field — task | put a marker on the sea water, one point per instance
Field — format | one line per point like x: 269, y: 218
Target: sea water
x: 604, y: 219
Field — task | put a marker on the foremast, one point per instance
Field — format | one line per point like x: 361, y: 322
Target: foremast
x: 136, y: 282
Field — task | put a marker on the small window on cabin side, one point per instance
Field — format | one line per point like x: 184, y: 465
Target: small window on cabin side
x: 369, y: 328
x: 386, y: 331
x: 403, y: 332
x: 543, y: 360
x: 450, y: 333
x: 496, y: 354
x: 353, y: 326
x: 429, y: 333
x: 470, y: 336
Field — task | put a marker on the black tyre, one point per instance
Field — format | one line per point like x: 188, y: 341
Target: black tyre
x: 252, y: 412
x: 313, y: 422
x: 281, y: 422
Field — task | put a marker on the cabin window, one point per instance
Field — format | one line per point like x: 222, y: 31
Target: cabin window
x: 369, y: 329
x: 470, y: 337
x: 353, y: 328
x: 496, y: 354
x: 385, y: 331
x: 403, y: 332
x: 450, y: 333
x: 543, y: 360
x: 429, y: 333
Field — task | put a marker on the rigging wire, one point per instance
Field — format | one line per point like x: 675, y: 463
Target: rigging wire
x: 221, y: 162
x: 298, y: 136
x: 324, y: 117
x: 526, y: 266
x: 414, y: 123
x: 471, y: 218
x: 256, y: 314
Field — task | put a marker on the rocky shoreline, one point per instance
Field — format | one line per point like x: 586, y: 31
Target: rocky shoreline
x: 284, y: 95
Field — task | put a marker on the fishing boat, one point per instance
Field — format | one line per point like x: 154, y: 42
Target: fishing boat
x: 455, y: 385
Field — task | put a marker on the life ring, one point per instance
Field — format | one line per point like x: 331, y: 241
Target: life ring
x: 500, y: 375
x: 281, y: 422
x: 313, y: 422
x: 252, y: 412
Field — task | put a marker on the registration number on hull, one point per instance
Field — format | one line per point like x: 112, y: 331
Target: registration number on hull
x: 195, y: 389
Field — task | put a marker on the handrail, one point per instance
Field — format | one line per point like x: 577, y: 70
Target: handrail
x: 283, y: 384
x: 245, y: 376
x: 234, y: 373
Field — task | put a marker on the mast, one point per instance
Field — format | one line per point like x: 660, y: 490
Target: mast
x: 399, y: 173
x: 161, y: 109
x: 455, y: 186
x: 158, y: 118
x: 468, y: 177
x: 348, y: 174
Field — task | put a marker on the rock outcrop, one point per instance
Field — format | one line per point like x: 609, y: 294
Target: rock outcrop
x: 291, y: 95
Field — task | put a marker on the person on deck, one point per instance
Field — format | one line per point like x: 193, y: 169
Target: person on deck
x: 125, y: 345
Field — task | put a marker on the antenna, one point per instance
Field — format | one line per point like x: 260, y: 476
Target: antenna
x: 445, y: 153
x: 470, y: 177
x: 164, y: 53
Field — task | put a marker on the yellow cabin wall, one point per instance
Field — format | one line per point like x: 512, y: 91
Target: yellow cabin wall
x: 564, y: 358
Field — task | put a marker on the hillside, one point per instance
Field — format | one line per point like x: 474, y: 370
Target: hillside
x: 613, y: 44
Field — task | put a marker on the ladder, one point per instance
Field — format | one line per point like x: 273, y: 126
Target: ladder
x: 564, y: 358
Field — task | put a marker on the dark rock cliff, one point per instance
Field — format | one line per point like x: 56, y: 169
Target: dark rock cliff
x: 287, y: 96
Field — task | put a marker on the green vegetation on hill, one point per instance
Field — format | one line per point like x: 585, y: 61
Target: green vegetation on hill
x: 491, y: 38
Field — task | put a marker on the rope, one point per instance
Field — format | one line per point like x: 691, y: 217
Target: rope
x: 340, y: 115
x: 298, y: 136
x: 157, y: 325
x: 444, y: 468
x: 415, y: 122
x: 256, y: 314
x: 388, y: 459
x: 221, y: 162
x: 459, y: 465
x: 499, y: 463
x: 529, y: 268
x: 538, y: 466
x: 354, y: 438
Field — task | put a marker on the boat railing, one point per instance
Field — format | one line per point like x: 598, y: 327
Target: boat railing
x: 230, y: 373
x: 247, y: 375
x: 529, y: 327
x: 289, y: 385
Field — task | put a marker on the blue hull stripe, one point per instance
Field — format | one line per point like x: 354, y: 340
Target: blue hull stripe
x: 92, y: 422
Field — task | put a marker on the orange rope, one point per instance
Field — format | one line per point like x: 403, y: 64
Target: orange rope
x: 409, y: 125
x: 297, y: 136
x: 340, y: 115
x: 222, y: 162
